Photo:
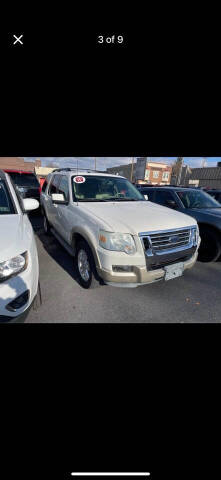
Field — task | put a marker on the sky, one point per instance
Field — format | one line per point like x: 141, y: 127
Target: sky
x: 105, y: 162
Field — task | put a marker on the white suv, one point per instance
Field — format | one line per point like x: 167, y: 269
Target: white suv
x: 19, y: 271
x: 114, y: 234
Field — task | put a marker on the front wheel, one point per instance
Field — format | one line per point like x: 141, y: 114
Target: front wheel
x: 210, y: 247
x: 85, y: 266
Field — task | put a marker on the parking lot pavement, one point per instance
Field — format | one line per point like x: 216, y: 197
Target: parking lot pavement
x: 194, y: 297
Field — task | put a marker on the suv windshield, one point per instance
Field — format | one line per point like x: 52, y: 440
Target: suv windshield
x: 6, y: 205
x: 104, y: 189
x: 24, y: 179
x: 197, y: 199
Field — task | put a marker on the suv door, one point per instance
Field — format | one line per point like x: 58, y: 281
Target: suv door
x: 51, y: 208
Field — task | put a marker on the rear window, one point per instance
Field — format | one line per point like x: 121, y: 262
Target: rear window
x: 24, y: 179
x: 6, y: 205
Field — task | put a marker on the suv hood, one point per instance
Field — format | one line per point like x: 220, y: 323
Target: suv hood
x: 136, y: 217
x: 12, y: 238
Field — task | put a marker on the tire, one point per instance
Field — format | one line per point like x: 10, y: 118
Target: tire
x: 210, y: 247
x: 46, y: 224
x: 85, y: 266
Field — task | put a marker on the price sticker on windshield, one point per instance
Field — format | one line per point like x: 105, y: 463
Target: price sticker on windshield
x: 79, y: 179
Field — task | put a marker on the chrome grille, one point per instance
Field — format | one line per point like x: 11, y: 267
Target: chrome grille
x: 167, y: 241
x: 172, y: 239
x: 165, y: 247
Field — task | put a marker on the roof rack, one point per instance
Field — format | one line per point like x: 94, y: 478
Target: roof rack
x: 69, y: 169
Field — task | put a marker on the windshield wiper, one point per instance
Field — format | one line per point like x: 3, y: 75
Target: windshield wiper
x: 91, y: 200
x: 121, y: 199
x: 110, y: 199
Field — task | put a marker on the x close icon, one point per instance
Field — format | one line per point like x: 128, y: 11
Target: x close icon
x: 18, y: 39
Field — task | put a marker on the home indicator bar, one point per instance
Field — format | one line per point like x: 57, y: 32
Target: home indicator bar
x: 110, y: 474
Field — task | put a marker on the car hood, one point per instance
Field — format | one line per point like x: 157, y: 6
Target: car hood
x: 136, y: 217
x: 13, y: 241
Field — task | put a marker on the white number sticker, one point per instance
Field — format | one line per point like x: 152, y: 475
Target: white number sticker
x: 79, y: 179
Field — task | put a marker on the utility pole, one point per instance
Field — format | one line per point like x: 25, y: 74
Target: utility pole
x: 180, y: 167
x: 95, y: 163
x: 132, y: 170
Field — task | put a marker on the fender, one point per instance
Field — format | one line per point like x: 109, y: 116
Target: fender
x: 86, y: 235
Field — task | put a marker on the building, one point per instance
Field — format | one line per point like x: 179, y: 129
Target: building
x: 18, y: 163
x: 42, y: 172
x: 124, y: 170
x: 206, y: 177
x: 144, y: 171
x: 157, y: 173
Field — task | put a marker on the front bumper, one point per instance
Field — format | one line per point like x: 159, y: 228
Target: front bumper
x: 140, y: 275
x: 19, y: 318
x: 15, y: 286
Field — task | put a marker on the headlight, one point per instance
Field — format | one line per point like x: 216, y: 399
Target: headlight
x: 195, y: 235
x: 120, y: 242
x: 13, y: 266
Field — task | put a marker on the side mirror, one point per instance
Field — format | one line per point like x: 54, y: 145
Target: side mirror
x: 171, y: 204
x: 58, y: 199
x: 146, y: 197
x: 30, y: 204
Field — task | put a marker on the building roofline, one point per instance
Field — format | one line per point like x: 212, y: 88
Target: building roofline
x: 8, y: 170
x: 160, y: 163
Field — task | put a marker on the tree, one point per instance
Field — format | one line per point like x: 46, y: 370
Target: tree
x: 177, y: 169
x: 52, y: 165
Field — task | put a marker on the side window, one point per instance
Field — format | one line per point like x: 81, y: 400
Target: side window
x: 217, y: 197
x: 64, y: 187
x: 18, y: 195
x: 54, y: 184
x: 163, y: 198
x: 214, y: 195
x: 6, y: 205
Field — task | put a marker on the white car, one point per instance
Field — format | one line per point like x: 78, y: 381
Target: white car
x: 114, y: 234
x: 19, y: 269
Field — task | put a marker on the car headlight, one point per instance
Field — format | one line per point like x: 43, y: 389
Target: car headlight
x: 195, y: 234
x: 120, y: 242
x: 13, y: 266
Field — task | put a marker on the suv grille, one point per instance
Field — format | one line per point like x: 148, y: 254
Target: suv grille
x: 168, y: 246
x: 169, y: 240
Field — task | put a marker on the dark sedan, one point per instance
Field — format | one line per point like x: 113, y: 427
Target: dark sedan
x: 198, y: 204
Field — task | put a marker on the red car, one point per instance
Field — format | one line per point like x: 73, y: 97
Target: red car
x: 42, y: 181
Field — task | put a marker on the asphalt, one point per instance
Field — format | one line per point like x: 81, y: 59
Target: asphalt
x: 194, y: 297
